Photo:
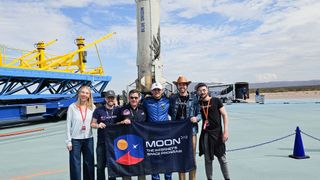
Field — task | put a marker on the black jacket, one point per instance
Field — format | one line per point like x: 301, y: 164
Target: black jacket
x: 137, y: 114
x: 216, y: 146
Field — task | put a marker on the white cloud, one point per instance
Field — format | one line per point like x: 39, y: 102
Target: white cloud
x: 234, y: 10
x: 67, y: 3
x: 23, y: 24
x: 84, y: 3
x: 266, y: 77
x: 281, y: 46
x: 285, y: 38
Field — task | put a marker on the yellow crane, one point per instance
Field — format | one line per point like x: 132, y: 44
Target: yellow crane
x: 36, y: 59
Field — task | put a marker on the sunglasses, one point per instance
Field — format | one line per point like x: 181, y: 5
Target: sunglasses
x: 132, y: 97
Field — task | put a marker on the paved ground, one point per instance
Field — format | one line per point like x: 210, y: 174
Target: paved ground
x: 42, y: 155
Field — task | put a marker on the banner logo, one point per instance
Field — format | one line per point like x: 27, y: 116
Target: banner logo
x: 128, y: 149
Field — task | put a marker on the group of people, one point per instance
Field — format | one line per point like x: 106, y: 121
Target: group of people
x: 82, y: 116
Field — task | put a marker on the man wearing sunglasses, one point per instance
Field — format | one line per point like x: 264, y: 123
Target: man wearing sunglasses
x: 132, y: 112
x: 184, y: 106
x: 102, y: 117
x: 157, y: 108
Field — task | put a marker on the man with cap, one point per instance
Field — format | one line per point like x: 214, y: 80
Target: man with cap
x: 184, y: 106
x: 157, y: 108
x: 213, y: 136
x: 102, y: 117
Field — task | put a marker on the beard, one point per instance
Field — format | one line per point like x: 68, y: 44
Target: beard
x: 203, y: 96
x: 182, y: 90
x: 110, y: 104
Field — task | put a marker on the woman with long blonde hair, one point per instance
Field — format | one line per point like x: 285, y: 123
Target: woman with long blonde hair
x: 79, y: 135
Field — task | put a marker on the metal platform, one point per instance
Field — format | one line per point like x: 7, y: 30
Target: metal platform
x: 34, y: 84
x: 25, y: 94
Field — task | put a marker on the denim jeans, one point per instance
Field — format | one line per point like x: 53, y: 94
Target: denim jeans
x: 84, y: 147
x: 167, y: 176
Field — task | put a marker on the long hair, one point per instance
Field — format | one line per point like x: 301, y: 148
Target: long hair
x: 89, y: 103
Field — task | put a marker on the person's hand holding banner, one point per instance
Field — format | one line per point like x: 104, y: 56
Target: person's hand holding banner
x: 144, y: 148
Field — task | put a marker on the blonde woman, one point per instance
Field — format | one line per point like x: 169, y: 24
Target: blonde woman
x: 79, y: 135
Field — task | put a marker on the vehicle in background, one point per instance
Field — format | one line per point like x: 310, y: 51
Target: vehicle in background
x: 237, y: 92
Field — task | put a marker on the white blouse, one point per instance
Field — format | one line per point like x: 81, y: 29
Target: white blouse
x: 75, y: 123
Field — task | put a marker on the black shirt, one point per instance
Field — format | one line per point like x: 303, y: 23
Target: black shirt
x: 106, y: 116
x: 182, y: 106
x: 213, y: 130
x: 138, y: 114
x: 214, y: 115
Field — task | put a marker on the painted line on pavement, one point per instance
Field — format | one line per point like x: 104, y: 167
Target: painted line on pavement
x: 21, y: 132
x: 39, y: 174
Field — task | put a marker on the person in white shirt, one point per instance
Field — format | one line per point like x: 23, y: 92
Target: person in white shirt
x: 79, y: 135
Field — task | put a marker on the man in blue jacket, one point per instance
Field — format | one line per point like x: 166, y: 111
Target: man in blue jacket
x: 157, y: 107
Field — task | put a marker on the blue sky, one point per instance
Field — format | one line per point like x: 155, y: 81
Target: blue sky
x: 206, y: 40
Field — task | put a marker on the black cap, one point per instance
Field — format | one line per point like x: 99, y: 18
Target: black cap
x: 110, y: 93
x: 200, y: 85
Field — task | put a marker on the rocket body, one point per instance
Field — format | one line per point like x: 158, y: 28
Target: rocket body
x: 149, y: 45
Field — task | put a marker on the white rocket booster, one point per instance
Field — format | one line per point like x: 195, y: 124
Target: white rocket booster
x: 148, y: 54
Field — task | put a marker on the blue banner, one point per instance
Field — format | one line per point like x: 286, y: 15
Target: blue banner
x: 144, y: 148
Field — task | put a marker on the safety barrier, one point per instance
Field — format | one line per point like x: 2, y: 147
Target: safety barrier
x: 318, y: 139
x: 271, y: 141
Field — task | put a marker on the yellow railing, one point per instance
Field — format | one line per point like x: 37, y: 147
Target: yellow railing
x: 37, y: 59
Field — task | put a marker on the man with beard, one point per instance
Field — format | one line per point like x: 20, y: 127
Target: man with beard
x: 104, y: 116
x: 184, y: 106
x: 213, y: 138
